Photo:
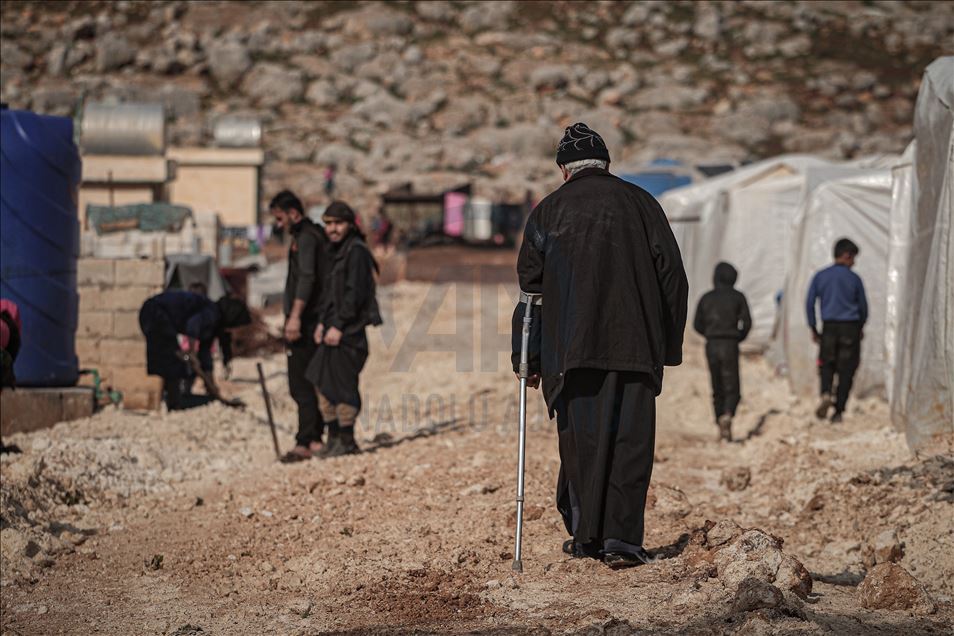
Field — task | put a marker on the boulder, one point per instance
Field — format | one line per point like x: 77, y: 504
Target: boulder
x: 113, y: 52
x: 888, y: 586
x: 757, y: 554
x: 271, y: 84
x: 228, y: 62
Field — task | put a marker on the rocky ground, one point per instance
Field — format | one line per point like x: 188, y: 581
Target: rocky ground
x: 184, y: 523
x: 444, y: 93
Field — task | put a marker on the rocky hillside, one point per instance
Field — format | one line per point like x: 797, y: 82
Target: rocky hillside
x: 440, y: 93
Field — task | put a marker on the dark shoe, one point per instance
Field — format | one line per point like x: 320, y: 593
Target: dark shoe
x: 822, y: 411
x: 725, y: 427
x: 621, y: 560
x: 339, y: 447
x: 579, y: 550
x: 837, y: 418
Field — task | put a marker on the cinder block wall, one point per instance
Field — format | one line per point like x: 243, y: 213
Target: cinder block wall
x: 108, y: 337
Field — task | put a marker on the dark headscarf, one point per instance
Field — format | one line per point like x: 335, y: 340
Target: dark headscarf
x: 724, y: 275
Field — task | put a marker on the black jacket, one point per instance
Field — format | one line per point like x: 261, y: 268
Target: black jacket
x: 601, y: 252
x: 308, y: 265
x: 349, y: 302
x: 723, y: 312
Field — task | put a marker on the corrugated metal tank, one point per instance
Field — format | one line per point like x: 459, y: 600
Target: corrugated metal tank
x: 233, y: 131
x: 39, y: 242
x: 123, y: 129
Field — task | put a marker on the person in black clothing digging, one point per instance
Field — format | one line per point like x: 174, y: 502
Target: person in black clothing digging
x: 348, y: 306
x: 722, y: 316
x: 307, y: 267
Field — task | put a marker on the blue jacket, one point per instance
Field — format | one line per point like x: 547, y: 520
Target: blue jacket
x: 842, y: 296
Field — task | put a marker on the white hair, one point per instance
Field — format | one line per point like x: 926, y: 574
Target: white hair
x: 575, y: 166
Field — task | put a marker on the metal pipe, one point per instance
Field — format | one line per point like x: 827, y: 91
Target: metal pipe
x: 529, y: 299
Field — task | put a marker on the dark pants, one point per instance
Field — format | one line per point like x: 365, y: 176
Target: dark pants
x: 606, y: 421
x: 839, y: 354
x: 300, y: 353
x: 722, y: 355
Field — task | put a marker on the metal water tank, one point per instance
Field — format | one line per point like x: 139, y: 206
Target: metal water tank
x: 123, y: 129
x: 39, y: 242
x: 233, y: 131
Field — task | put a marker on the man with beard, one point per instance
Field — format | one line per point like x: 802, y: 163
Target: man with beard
x: 603, y: 256
x: 348, y: 307
x: 307, y: 267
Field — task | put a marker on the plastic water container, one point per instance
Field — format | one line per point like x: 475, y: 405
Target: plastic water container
x: 39, y: 242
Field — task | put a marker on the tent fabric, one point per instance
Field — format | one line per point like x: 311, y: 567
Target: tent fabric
x: 742, y: 217
x: 851, y: 203
x: 923, y: 395
x: 903, y: 201
x: 183, y: 270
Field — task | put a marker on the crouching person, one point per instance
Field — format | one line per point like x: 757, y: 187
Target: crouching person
x: 164, y: 316
x: 348, y: 306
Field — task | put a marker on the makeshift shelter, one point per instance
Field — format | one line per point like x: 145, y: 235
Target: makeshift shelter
x: 923, y: 391
x: 742, y: 217
x: 183, y: 270
x: 839, y: 202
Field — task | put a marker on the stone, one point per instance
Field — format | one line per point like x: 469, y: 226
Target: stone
x: 723, y: 532
x: 885, y: 548
x: 736, y: 479
x: 754, y: 594
x: 347, y: 58
x: 670, y: 97
x: 757, y: 554
x: 271, y: 84
x: 707, y: 25
x: 113, y: 53
x: 246, y: 512
x: 15, y: 57
x: 322, y: 93
x: 482, y: 16
x: 620, y: 39
x: 888, y: 586
x: 228, y: 62
x: 435, y: 10
x: 550, y: 77
x: 56, y: 60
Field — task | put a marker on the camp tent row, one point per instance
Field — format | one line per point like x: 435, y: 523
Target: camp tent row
x: 777, y: 220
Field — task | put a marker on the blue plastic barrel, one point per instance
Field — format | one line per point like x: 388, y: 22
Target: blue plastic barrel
x: 39, y: 242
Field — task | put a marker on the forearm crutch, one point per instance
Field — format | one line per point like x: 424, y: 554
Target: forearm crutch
x: 524, y: 373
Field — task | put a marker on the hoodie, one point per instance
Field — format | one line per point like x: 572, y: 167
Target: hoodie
x: 723, y: 312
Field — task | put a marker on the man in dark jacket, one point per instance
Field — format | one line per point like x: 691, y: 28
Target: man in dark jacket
x: 348, y: 307
x: 164, y: 316
x: 307, y: 267
x: 601, y: 252
x: 722, y: 316
x: 844, y: 310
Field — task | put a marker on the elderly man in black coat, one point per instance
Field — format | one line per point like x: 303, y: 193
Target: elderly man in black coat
x: 602, y: 254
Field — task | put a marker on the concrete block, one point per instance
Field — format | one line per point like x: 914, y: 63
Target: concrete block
x: 95, y: 324
x: 142, y: 400
x: 125, y: 298
x: 115, y: 353
x: 24, y: 410
x: 95, y: 271
x: 125, y: 325
x: 146, y: 272
x: 87, y: 350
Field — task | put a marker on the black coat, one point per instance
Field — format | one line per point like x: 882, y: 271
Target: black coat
x: 349, y: 299
x: 723, y: 312
x: 308, y: 265
x: 601, y: 252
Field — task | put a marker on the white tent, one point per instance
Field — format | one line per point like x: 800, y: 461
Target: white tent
x: 923, y: 392
x: 744, y: 218
x: 839, y: 202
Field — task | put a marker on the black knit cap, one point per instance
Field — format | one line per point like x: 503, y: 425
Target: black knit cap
x: 339, y: 210
x: 580, y: 142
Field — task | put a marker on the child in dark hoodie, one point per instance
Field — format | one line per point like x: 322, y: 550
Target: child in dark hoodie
x: 723, y: 318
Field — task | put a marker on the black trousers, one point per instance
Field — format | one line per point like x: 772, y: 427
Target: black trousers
x: 606, y: 421
x: 300, y: 353
x: 722, y: 354
x: 839, y: 354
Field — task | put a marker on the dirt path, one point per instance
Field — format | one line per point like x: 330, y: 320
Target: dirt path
x: 417, y: 535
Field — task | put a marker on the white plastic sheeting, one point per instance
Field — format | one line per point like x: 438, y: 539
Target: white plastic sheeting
x: 923, y: 394
x: 903, y: 202
x: 744, y: 218
x: 839, y: 202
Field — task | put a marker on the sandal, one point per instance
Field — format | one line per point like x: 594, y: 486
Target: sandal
x: 297, y: 454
